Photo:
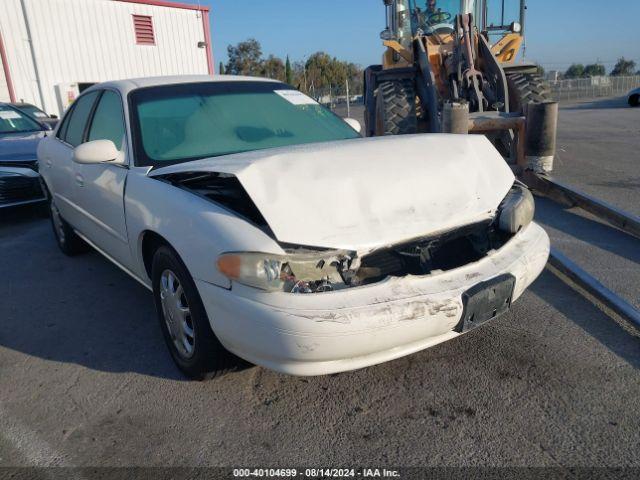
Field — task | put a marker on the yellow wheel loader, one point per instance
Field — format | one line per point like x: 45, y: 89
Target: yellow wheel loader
x: 445, y: 54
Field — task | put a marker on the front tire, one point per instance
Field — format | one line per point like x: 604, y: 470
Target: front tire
x: 634, y: 100
x: 396, y: 108
x: 184, y: 321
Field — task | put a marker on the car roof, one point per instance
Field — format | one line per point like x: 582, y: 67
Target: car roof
x: 128, y: 85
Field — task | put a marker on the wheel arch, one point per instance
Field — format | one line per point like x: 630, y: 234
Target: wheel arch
x: 148, y: 244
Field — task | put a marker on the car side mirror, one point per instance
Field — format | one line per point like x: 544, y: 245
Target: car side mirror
x: 97, y: 151
x: 353, y: 123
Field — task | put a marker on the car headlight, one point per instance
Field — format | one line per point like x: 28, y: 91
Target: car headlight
x: 516, y: 210
x: 309, y: 272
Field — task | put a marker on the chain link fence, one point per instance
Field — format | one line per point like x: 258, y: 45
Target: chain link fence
x: 580, y: 88
x: 335, y: 97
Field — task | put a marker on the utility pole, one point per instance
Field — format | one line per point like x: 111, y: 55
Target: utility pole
x: 304, y: 70
x: 348, y: 99
x: 36, y: 71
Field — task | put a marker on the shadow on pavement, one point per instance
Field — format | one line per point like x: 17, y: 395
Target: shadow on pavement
x: 587, y: 316
x: 591, y: 231
x: 81, y: 310
x: 15, y: 216
x: 632, y: 184
x: 616, y: 102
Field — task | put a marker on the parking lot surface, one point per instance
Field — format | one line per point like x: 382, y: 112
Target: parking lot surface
x: 85, y: 378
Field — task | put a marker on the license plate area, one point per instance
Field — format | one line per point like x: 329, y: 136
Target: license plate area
x: 486, y: 301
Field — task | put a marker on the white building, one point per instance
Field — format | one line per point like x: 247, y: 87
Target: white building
x: 50, y: 50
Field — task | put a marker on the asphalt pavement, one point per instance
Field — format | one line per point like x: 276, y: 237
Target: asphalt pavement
x: 85, y: 379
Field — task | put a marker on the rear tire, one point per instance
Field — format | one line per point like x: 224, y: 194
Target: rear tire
x: 525, y: 88
x: 184, y: 321
x: 396, y: 108
x: 67, y: 239
x: 634, y: 100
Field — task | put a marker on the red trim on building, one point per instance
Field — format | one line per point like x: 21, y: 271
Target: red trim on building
x: 207, y: 38
x: 7, y: 72
x: 163, y: 3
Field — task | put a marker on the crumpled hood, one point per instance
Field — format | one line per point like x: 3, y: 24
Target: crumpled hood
x: 19, y: 147
x: 365, y: 193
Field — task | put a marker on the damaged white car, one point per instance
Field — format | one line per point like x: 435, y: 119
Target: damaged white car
x: 266, y: 227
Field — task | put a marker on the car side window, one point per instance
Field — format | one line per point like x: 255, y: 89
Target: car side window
x: 62, y: 131
x: 108, y: 120
x: 74, y: 134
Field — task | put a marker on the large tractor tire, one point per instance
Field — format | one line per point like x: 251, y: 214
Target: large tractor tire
x: 526, y: 88
x: 396, y: 108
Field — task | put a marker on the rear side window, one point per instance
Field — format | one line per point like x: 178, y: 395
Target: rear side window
x: 62, y: 131
x: 108, y: 121
x: 77, y: 124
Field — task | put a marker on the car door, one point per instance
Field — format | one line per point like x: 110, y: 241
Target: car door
x: 57, y: 163
x: 100, y: 187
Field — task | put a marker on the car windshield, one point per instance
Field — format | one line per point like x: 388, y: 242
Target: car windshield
x: 178, y: 123
x: 32, y: 110
x: 430, y: 15
x: 14, y: 121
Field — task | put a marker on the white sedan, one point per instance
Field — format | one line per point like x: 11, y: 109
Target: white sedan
x: 267, y: 228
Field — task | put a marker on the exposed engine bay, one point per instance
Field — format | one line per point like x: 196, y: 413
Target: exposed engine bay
x: 422, y: 256
x: 316, y: 270
x: 221, y: 188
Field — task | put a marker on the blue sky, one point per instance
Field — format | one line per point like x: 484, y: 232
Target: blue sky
x: 558, y: 31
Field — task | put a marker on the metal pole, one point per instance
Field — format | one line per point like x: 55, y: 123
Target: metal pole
x: 523, y: 13
x: 571, y: 273
x: 455, y: 117
x: 33, y: 55
x: 348, y: 100
x: 542, y: 123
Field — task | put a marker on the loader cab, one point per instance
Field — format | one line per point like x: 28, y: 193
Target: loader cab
x: 436, y: 16
x: 501, y: 22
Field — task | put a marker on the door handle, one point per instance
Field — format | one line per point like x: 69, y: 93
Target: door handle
x: 79, y: 180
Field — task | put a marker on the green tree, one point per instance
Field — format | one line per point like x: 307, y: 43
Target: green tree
x: 245, y: 58
x: 221, y: 68
x: 288, y: 72
x: 594, y: 70
x: 575, y: 71
x: 623, y: 67
x: 273, y: 67
x: 327, y: 75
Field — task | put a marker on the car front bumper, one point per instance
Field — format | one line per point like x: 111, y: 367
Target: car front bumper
x: 318, y: 334
x: 19, y: 186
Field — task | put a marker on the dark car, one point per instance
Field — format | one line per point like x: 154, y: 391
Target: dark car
x: 19, y: 137
x: 634, y: 98
x: 37, y: 114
